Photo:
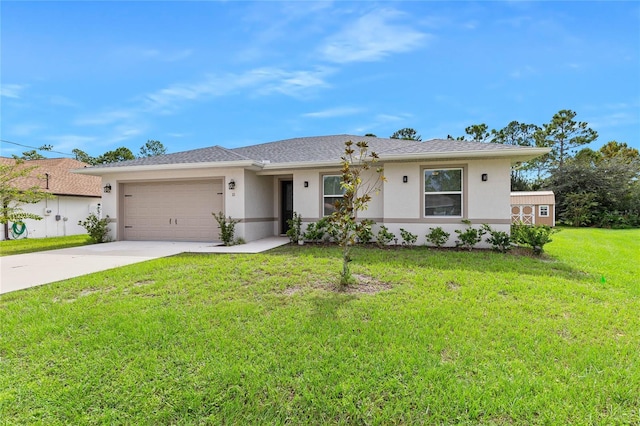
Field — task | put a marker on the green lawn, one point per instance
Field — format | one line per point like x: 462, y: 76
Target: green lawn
x: 448, y: 338
x: 30, y: 245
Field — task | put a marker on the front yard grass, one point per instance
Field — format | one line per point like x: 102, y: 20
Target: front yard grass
x: 451, y: 338
x: 31, y: 245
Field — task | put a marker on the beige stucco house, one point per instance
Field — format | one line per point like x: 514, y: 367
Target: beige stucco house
x: 73, y: 198
x: 428, y: 184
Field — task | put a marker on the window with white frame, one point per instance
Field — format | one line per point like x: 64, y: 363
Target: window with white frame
x: 331, y: 192
x: 443, y: 192
x: 543, y: 211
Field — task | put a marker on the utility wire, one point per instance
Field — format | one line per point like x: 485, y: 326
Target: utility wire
x: 38, y: 148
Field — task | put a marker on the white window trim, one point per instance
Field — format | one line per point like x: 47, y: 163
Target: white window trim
x: 324, y: 196
x: 461, y: 192
x: 540, y: 210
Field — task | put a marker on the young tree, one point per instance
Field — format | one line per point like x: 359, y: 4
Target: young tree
x: 518, y: 134
x: 152, y: 148
x: 478, y: 132
x: 357, y: 187
x: 34, y: 154
x: 563, y: 134
x: 407, y: 133
x: 83, y: 156
x: 117, y: 155
x: 619, y: 150
x: 13, y: 195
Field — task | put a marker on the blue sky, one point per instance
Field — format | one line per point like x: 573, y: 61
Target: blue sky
x: 100, y: 75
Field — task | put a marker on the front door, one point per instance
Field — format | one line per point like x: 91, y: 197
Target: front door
x: 286, y: 204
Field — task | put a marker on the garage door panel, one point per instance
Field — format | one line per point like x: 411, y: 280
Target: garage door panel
x: 172, y: 211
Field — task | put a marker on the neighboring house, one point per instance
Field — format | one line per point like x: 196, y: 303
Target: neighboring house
x: 74, y: 196
x: 533, y: 208
x: 428, y: 184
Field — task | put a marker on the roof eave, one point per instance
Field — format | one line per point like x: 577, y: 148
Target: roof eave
x: 100, y: 171
x: 524, y: 154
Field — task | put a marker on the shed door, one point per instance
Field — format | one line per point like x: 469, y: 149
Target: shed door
x: 172, y: 211
x: 523, y: 214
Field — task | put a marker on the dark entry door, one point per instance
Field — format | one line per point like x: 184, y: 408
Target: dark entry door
x: 286, y: 204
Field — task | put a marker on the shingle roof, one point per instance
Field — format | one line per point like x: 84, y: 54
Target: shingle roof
x: 533, y: 197
x: 211, y: 154
x: 61, y: 180
x: 327, y: 148
x: 316, y: 149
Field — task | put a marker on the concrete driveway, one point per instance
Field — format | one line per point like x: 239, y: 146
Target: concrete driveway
x: 28, y: 270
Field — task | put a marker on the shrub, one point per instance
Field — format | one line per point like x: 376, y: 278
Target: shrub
x: 500, y: 241
x: 532, y: 236
x: 469, y: 237
x: 97, y: 228
x: 437, y: 236
x: 318, y: 231
x: 364, y: 231
x: 295, y: 228
x: 408, y: 239
x: 227, y: 228
x: 384, y: 237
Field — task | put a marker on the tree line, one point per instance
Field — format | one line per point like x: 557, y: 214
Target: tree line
x: 149, y: 149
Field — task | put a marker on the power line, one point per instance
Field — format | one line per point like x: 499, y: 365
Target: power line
x: 37, y: 148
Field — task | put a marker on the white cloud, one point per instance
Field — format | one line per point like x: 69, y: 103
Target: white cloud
x: 616, y: 119
x: 12, y: 90
x: 23, y: 129
x: 260, y: 81
x: 67, y: 142
x: 333, y: 112
x: 373, y: 37
x: 522, y: 72
x: 58, y: 100
x: 129, y: 53
x: 104, y: 118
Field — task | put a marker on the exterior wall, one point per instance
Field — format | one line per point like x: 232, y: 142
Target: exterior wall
x: 308, y: 201
x: 483, y: 202
x: 69, y: 209
x: 546, y: 220
x: 233, y: 200
x: 259, y: 218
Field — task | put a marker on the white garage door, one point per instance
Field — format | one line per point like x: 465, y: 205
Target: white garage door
x: 172, y: 211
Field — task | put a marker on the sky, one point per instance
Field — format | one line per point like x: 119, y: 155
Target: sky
x: 100, y: 75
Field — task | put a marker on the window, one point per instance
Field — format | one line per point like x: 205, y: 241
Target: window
x: 332, y: 192
x: 443, y: 192
x: 543, y: 211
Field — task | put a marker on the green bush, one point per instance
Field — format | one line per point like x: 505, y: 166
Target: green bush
x: 469, y: 237
x: 319, y: 231
x: 532, y: 236
x: 97, y: 228
x: 384, y: 237
x: 295, y: 228
x: 437, y: 236
x: 408, y: 239
x: 500, y: 241
x: 227, y: 228
x: 364, y: 231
